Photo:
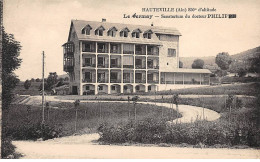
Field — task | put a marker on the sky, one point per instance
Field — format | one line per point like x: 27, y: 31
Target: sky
x: 43, y: 25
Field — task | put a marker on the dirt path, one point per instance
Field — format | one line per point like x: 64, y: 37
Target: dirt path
x: 79, y: 147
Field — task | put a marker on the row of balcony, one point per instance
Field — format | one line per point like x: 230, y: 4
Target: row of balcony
x: 115, y: 77
x: 117, y: 62
x: 119, y: 81
x: 117, y: 48
x: 119, y: 66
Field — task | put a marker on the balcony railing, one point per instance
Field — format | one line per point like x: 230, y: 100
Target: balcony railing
x: 115, y: 51
x: 88, y: 50
x: 128, y: 66
x: 140, y: 52
x: 115, y: 80
x: 102, y: 50
x: 152, y: 52
x: 140, y: 80
x: 105, y: 80
x: 152, y: 67
x: 128, y: 80
x: 153, y: 81
x: 89, y: 65
x: 102, y: 65
x: 88, y: 81
x: 140, y: 66
x: 115, y: 66
x: 128, y: 52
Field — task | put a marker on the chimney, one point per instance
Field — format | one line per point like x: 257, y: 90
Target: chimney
x: 151, y: 24
x: 104, y: 20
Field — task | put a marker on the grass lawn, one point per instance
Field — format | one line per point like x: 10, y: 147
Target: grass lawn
x: 33, y: 90
x: 250, y: 89
x: 22, y: 121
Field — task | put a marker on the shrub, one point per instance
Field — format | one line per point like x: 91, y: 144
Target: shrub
x: 8, y: 149
x: 197, y: 133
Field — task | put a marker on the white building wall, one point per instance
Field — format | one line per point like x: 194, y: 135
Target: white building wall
x: 165, y: 61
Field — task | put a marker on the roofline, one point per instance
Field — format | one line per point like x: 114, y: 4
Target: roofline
x: 121, y: 41
x: 140, y: 25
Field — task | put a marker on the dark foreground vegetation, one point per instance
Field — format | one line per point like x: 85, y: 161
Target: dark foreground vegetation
x: 23, y: 122
x: 238, y: 125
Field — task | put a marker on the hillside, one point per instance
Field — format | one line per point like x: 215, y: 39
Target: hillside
x: 239, y: 60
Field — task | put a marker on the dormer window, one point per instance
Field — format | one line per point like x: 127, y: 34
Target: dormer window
x: 148, y: 34
x: 136, y: 33
x: 112, y: 32
x: 99, y: 31
x: 124, y: 32
x: 86, y: 30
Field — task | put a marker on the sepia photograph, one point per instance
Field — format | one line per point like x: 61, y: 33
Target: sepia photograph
x: 121, y: 79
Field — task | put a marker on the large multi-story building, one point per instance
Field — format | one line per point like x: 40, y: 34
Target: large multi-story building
x: 102, y: 57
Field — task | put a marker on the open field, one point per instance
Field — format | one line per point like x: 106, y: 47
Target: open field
x: 33, y: 90
x: 250, y: 89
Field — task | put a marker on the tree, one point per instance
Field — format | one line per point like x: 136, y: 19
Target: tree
x: 255, y: 64
x: 180, y: 64
x: 197, y: 64
x: 37, y: 80
x: 10, y: 62
x: 223, y: 60
x: 66, y: 79
x: 241, y: 72
x: 32, y: 80
x: 51, y: 80
x: 27, y: 84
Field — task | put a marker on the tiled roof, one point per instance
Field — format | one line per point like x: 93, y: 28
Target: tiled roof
x: 182, y: 70
x: 80, y: 24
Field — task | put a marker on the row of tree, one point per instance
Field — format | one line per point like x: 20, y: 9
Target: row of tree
x: 51, y: 82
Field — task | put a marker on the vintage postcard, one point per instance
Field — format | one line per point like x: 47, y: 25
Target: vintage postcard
x: 121, y: 79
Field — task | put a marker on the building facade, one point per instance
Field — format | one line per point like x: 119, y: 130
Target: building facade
x: 108, y: 58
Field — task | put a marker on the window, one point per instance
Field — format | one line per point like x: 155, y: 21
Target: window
x: 136, y: 35
x: 88, y: 61
x: 88, y: 75
x: 101, y: 60
x: 171, y: 52
x: 87, y: 88
x: 113, y: 62
x: 150, y: 76
x: 137, y: 88
x: 128, y: 48
x: 125, y: 87
x: 83, y: 31
x: 126, y: 77
x: 86, y: 30
x: 124, y: 32
x: 138, y: 76
x: 148, y: 34
x: 112, y: 32
x: 99, y: 31
x: 138, y: 61
x: 102, y: 48
x: 149, y: 88
x: 113, y: 88
x: 100, y: 88
x: 113, y: 75
x: 88, y: 47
